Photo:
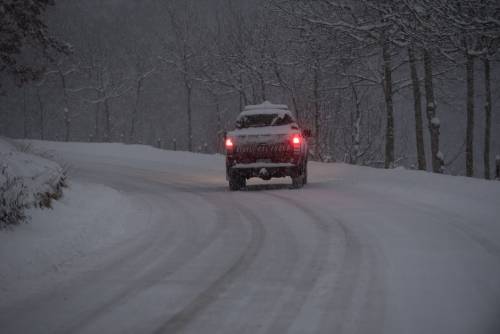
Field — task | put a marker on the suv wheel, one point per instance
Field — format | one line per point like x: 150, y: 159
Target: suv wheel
x: 236, y: 182
x: 305, y: 173
x: 300, y: 178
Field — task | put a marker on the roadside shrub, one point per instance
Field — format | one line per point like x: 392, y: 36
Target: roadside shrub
x: 12, y: 200
x: 27, y: 180
x: 44, y: 200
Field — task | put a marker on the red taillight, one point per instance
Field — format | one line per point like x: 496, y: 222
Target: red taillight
x: 296, y: 140
x: 229, y: 143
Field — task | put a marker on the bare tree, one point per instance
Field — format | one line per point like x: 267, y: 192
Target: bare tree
x: 41, y: 110
x: 63, y: 75
x: 421, y: 29
x: 417, y: 100
x: 490, y: 38
x: 183, y: 51
x: 432, y: 118
x: 142, y: 73
x: 26, y: 117
x: 468, y: 24
x: 487, y: 113
x: 366, y: 24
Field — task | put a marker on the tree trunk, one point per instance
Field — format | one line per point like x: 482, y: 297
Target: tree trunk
x: 389, y: 107
x: 107, y: 116
x: 497, y: 167
x: 189, y: 115
x: 356, y: 128
x: 317, y: 126
x: 243, y: 97
x: 42, y: 114
x: 67, y: 123
x: 263, y: 87
x: 135, y: 111
x: 96, y: 121
x: 434, y: 123
x: 25, y: 115
x: 67, y: 118
x: 220, y: 130
x: 100, y: 96
x: 487, y: 112
x: 417, y: 98
x: 296, y: 109
x: 469, y: 141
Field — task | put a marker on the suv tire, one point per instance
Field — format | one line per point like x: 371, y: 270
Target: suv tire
x: 305, y: 173
x: 236, y: 182
x: 300, y: 178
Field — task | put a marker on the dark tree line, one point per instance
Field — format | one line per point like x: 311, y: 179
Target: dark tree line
x: 380, y: 82
x: 23, y: 30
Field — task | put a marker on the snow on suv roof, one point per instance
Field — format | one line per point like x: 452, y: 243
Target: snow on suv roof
x: 266, y: 105
x: 266, y: 108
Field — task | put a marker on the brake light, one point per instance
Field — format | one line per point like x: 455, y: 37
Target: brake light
x: 296, y: 140
x: 229, y: 143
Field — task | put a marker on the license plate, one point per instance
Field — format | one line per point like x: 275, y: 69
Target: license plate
x: 263, y: 149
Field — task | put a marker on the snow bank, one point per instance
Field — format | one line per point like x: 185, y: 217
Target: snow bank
x: 126, y: 155
x: 88, y: 218
x: 38, y: 174
x: 25, y: 180
x: 464, y: 196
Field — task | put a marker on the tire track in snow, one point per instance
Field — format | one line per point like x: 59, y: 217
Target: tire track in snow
x: 184, y: 250
x: 354, y: 306
x: 139, y: 256
x: 215, y: 289
x: 307, y: 280
x: 349, y: 278
x: 182, y: 318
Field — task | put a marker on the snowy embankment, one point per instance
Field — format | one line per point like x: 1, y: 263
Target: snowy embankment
x: 86, y: 218
x: 26, y: 180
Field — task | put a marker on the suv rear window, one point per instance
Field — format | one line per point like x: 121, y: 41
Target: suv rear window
x: 260, y: 120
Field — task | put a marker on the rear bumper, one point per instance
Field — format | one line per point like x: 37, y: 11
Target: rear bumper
x: 265, y: 171
x: 265, y: 166
x: 260, y: 165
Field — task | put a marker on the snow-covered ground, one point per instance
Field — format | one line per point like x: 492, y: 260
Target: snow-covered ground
x: 86, y: 219
x: 146, y: 240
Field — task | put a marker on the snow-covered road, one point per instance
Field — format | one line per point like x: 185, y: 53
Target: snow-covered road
x: 358, y: 250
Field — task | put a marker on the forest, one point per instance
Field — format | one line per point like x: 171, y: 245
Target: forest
x: 381, y: 83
